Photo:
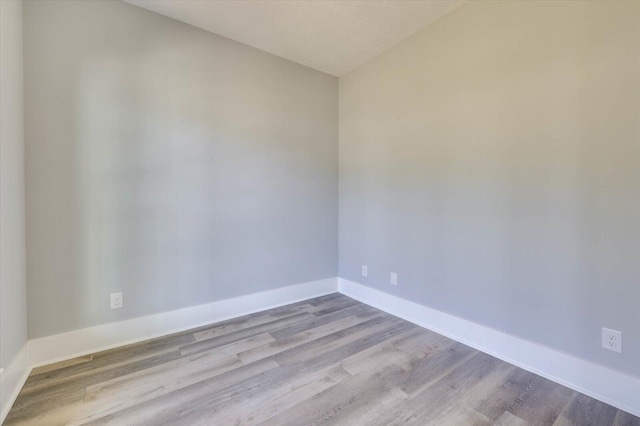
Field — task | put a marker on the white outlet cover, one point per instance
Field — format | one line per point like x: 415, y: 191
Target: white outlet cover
x: 364, y: 270
x: 394, y: 278
x: 611, y: 340
x: 116, y: 300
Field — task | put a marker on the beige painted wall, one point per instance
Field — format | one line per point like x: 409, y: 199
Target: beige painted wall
x: 493, y: 162
x: 13, y: 284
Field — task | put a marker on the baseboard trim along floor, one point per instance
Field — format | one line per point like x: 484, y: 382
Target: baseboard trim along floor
x: 12, y: 380
x: 76, y: 343
x: 327, y: 360
x: 64, y: 346
x: 607, y: 385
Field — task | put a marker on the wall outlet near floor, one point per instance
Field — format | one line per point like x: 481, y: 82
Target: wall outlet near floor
x: 612, y: 340
x: 116, y: 300
x: 364, y: 270
x: 394, y: 278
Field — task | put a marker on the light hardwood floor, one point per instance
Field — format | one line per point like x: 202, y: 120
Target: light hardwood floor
x: 329, y: 360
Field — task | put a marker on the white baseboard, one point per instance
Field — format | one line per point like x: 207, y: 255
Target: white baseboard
x: 12, y: 379
x: 612, y: 387
x: 60, y: 347
x: 602, y: 383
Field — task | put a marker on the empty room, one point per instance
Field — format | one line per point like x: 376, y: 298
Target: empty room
x: 320, y: 212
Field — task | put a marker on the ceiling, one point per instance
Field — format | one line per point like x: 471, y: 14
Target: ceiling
x: 331, y: 36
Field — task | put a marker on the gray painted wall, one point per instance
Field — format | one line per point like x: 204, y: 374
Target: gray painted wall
x: 493, y: 162
x: 168, y: 163
x: 13, y: 284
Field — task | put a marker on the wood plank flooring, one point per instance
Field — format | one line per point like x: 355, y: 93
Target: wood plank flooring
x: 329, y: 360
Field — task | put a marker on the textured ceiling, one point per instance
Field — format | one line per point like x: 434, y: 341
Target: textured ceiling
x: 331, y: 36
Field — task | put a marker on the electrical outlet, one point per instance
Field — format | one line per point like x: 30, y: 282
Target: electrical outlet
x: 116, y: 300
x: 364, y: 270
x: 612, y: 340
x: 394, y: 278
